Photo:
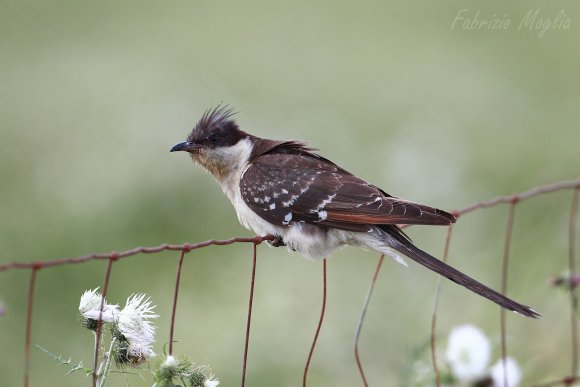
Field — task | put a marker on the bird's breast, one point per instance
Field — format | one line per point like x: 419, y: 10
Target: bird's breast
x: 312, y: 241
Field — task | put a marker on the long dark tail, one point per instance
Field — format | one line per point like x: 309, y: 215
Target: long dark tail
x: 430, y: 262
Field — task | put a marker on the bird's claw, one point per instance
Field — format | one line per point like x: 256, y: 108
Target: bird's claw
x: 277, y: 241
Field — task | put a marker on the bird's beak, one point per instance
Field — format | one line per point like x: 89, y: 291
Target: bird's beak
x: 182, y: 146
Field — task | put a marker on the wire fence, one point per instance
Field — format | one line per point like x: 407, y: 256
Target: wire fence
x: 183, y: 249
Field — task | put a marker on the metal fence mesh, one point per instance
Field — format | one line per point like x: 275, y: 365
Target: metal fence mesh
x: 512, y: 201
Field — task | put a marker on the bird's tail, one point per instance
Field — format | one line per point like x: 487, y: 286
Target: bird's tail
x: 430, y: 262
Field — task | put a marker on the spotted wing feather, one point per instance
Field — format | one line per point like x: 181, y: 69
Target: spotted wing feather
x: 282, y: 188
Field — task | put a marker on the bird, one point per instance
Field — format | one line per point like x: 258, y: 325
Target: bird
x: 287, y: 191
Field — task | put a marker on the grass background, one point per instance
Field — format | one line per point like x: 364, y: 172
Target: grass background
x: 95, y: 93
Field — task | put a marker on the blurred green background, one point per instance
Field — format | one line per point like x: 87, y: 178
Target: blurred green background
x: 93, y: 95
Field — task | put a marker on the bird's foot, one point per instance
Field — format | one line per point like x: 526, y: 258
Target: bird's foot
x: 277, y: 241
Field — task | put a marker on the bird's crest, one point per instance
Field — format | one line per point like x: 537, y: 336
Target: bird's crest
x: 219, y: 116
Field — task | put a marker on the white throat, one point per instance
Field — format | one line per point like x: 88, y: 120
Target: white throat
x: 235, y: 159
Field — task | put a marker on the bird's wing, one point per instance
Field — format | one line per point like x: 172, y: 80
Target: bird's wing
x: 282, y: 188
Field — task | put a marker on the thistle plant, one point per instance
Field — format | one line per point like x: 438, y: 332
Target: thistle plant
x: 132, y: 334
x: 567, y: 281
x: 90, y: 310
x: 468, y: 353
x: 467, y: 358
x: 129, y: 335
x: 181, y: 370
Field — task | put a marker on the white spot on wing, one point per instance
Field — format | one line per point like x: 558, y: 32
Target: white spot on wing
x: 287, y: 218
x: 272, y: 206
x: 291, y: 201
x: 308, y: 184
x: 322, y: 215
x: 326, y: 201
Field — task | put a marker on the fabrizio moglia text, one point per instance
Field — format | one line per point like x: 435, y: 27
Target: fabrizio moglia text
x: 534, y: 21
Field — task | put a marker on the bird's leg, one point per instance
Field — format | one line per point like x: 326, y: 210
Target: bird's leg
x: 277, y: 241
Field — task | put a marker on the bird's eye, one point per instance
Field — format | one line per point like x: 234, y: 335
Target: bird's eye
x: 212, y: 138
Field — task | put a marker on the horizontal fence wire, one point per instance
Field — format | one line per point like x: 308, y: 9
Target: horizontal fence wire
x: 185, y: 248
x: 128, y: 253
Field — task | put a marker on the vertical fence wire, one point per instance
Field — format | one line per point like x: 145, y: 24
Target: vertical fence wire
x: 322, y: 312
x: 504, y: 282
x: 29, y: 308
x: 249, y: 320
x: 175, y: 294
x: 573, y: 293
x: 435, y: 306
x: 112, y: 259
x: 362, y: 319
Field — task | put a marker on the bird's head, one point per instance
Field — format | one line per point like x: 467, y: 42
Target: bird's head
x: 217, y: 143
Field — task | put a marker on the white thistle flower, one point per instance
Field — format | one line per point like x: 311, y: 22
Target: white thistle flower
x: 170, y: 362
x: 468, y: 352
x: 90, y: 307
x: 514, y: 375
x: 133, y: 323
x: 211, y: 383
